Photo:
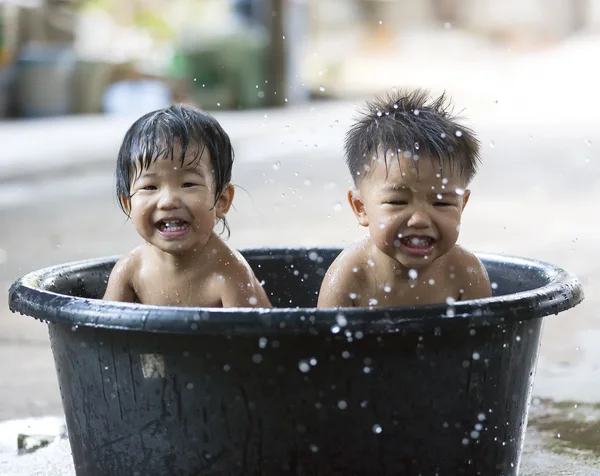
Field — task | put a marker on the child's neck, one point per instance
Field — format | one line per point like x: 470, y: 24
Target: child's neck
x: 397, y: 269
x: 190, y: 259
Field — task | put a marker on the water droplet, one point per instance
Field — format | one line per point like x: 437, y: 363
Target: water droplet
x: 518, y: 338
x: 387, y: 288
x: 322, y: 89
x: 373, y: 302
x: 413, y: 274
x: 359, y: 335
x: 370, y: 262
x: 367, y: 370
x: 494, y: 285
x: 475, y: 355
x: 226, y: 367
x: 352, y: 295
x: 276, y: 165
x: 377, y: 429
x: 379, y: 114
x: 252, y: 301
x: 313, y: 256
x: 465, y: 441
x: 337, y: 207
x: 432, y: 282
x: 342, y: 405
x: 478, y: 426
x: 492, y: 144
x: 303, y: 366
x: 444, y: 180
x: 346, y: 354
x: 474, y: 434
x: 458, y: 133
x: 341, y: 320
x: 460, y: 191
x: 335, y: 329
x: 355, y: 270
x: 307, y: 182
x: 416, y: 145
x: 481, y: 417
x: 189, y: 386
x: 447, y: 25
x: 262, y: 342
x: 314, y: 448
x: 588, y: 142
x: 257, y: 358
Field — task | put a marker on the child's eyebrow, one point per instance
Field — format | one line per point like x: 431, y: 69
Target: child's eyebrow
x: 395, y: 188
x: 444, y: 193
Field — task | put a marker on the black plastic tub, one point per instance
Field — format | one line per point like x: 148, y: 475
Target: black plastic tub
x: 295, y: 390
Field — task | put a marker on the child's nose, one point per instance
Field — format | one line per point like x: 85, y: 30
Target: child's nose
x: 419, y: 219
x: 169, y: 200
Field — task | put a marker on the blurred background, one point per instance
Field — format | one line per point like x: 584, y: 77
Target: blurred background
x: 284, y: 78
x: 62, y: 57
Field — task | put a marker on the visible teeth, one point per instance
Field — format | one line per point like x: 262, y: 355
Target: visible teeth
x: 417, y: 242
x: 172, y: 225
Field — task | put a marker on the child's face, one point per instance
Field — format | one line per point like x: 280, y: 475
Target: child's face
x: 173, y: 206
x: 413, y: 215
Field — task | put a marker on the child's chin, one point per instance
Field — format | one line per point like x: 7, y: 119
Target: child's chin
x: 414, y: 261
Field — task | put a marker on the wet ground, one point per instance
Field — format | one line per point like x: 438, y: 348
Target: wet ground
x: 536, y: 196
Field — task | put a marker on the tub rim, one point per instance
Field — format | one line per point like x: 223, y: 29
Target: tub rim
x: 26, y: 296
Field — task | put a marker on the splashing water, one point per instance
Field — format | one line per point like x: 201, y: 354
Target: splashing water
x: 303, y: 366
x: 341, y: 320
x: 413, y: 274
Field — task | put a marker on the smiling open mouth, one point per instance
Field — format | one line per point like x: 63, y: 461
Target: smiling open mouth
x: 417, y: 245
x: 172, y: 227
x: 418, y: 242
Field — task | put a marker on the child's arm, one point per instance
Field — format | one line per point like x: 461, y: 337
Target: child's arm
x: 338, y: 285
x: 476, y: 280
x: 240, y: 288
x: 120, y: 286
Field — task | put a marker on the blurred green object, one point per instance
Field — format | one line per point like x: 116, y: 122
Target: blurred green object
x: 225, y: 72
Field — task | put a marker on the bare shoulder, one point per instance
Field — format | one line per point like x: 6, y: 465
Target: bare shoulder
x: 345, y: 273
x: 238, y: 285
x: 471, y: 273
x: 120, y: 283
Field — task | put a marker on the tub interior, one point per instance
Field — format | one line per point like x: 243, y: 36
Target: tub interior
x: 292, y: 278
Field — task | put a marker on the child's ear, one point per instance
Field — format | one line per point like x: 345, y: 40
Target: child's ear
x: 125, y: 203
x: 224, y: 201
x: 358, y: 207
x: 466, y: 198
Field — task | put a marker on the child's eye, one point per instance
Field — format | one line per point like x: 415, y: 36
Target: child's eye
x: 442, y: 204
x: 398, y: 202
x: 149, y: 187
x: 188, y: 184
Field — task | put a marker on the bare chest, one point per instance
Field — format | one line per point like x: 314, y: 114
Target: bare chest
x: 426, y: 290
x: 164, y: 288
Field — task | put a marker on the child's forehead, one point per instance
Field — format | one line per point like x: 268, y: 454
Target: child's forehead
x: 406, y: 168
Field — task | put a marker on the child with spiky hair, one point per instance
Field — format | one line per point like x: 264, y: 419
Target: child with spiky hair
x: 411, y: 163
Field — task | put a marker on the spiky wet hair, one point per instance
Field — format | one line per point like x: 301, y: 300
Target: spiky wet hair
x: 411, y: 123
x: 154, y: 136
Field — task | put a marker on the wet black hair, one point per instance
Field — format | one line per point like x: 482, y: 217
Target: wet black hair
x: 154, y: 136
x: 412, y: 123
